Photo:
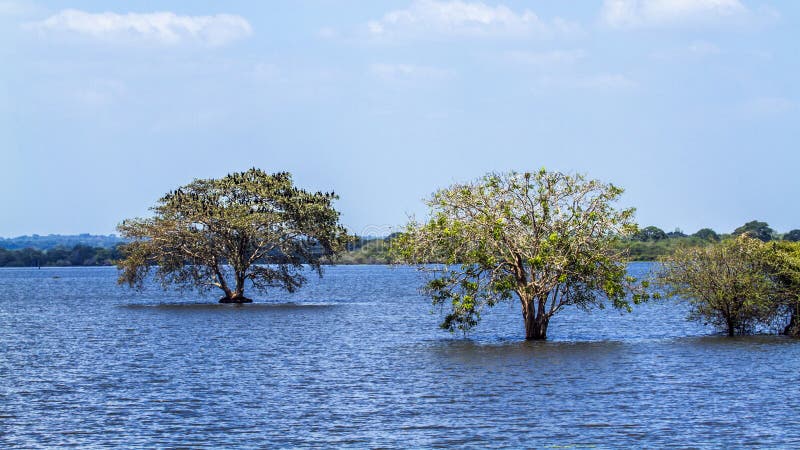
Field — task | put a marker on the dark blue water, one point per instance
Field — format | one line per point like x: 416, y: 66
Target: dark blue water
x: 356, y: 360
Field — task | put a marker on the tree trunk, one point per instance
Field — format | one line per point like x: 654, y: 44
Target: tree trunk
x: 793, y: 328
x: 731, y: 329
x: 237, y: 296
x: 535, y: 322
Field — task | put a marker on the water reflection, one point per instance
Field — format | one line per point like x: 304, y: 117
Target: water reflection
x: 503, y: 348
x: 721, y: 342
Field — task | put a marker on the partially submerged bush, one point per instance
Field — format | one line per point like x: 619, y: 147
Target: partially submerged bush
x: 729, y: 285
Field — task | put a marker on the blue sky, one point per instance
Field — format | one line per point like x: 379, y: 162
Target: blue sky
x: 692, y: 106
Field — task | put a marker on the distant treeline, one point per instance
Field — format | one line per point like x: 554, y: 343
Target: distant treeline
x: 368, y: 250
x: 362, y: 250
x: 648, y: 244
x: 652, y: 242
x: 54, y: 250
x: 58, y: 240
x: 79, y: 255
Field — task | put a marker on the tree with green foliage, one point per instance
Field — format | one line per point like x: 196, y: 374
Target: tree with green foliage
x: 792, y: 236
x: 784, y: 261
x: 547, y: 239
x: 367, y: 251
x: 650, y: 233
x: 756, y: 230
x: 676, y: 233
x: 221, y: 233
x: 707, y: 234
x: 79, y: 255
x: 727, y: 285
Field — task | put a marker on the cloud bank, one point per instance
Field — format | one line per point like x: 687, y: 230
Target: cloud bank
x: 655, y: 13
x: 159, y: 28
x: 431, y: 18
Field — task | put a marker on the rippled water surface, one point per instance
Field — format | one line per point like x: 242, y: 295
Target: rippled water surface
x: 356, y: 360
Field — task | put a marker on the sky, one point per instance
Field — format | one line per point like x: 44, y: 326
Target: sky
x: 692, y: 106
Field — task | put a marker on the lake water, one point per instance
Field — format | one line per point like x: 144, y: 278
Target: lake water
x: 356, y: 360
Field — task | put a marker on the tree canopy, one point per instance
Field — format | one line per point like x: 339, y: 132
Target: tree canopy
x: 650, y: 233
x: 707, y: 234
x: 545, y: 238
x: 784, y: 262
x: 676, y: 233
x: 792, y: 236
x: 757, y: 230
x: 212, y: 233
x: 728, y: 285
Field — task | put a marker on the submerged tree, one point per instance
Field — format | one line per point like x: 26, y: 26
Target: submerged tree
x: 784, y: 264
x: 221, y: 233
x: 546, y: 238
x: 727, y: 285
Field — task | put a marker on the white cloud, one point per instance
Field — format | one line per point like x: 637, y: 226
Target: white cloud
x: 659, y: 13
x: 432, y: 18
x: 161, y: 28
x: 405, y: 72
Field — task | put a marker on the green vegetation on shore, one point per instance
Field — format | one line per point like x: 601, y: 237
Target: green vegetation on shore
x: 52, y: 241
x: 79, y: 255
x: 368, y: 250
x: 649, y: 244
